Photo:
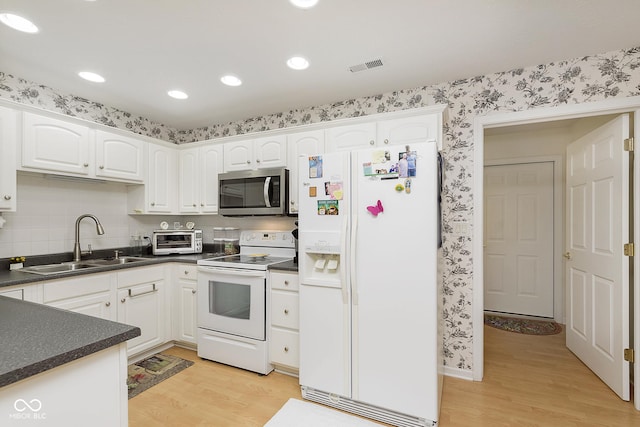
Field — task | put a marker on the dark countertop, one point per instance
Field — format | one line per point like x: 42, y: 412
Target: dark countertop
x: 36, y: 337
x: 286, y: 266
x: 17, y: 277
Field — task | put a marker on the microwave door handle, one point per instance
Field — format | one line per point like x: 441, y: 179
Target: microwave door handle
x: 265, y: 191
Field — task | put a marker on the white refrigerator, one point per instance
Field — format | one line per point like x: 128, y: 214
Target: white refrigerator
x: 370, y: 298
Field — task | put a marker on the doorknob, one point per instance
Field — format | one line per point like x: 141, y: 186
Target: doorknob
x: 567, y: 255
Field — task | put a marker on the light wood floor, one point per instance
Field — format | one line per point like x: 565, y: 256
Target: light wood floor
x: 529, y: 381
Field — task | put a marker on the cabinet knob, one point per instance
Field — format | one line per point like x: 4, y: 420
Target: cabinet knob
x: 286, y: 283
x: 194, y: 205
x: 101, y: 167
x: 286, y: 311
x: 257, y: 160
x: 193, y: 291
x: 186, y: 272
x: 202, y: 204
x: 7, y: 197
x: 123, y: 300
x: 108, y: 304
x: 386, y: 141
x: 248, y: 162
x: 153, y: 203
x: 86, y: 165
x: 286, y: 349
x: 372, y: 142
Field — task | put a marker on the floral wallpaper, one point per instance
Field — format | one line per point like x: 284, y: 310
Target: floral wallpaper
x: 572, y: 81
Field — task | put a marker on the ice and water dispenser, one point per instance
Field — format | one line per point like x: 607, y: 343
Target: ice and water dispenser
x: 323, y: 263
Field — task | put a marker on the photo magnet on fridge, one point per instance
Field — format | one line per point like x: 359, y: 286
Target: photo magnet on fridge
x: 328, y: 207
x: 407, y: 163
x: 333, y: 190
x: 315, y: 167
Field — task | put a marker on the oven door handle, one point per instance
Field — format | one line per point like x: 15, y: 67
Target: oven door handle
x: 232, y: 271
x: 265, y: 191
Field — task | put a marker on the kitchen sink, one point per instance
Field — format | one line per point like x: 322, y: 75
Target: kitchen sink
x: 66, y: 267
x: 114, y: 261
x: 57, y: 268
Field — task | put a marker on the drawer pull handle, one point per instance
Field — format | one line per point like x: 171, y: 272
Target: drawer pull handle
x: 186, y: 272
x: 123, y: 300
x: 193, y: 291
x: 286, y: 311
x: 7, y: 197
x: 131, y: 295
x: 286, y: 283
x: 286, y: 349
x: 108, y: 304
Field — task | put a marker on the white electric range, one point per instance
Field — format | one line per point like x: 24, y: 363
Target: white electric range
x: 233, y: 300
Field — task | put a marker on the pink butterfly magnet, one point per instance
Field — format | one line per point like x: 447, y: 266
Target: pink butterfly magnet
x: 375, y: 210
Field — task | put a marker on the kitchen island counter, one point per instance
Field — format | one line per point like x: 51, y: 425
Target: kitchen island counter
x: 36, y: 338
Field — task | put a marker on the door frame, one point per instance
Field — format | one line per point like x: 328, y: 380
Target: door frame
x: 558, y: 227
x: 541, y: 115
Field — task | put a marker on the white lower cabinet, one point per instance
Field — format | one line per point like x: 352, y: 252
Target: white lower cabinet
x: 31, y: 292
x: 142, y: 303
x: 91, y: 295
x: 284, y: 346
x: 184, y: 303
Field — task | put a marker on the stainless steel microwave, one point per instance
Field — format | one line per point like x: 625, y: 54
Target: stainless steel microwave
x: 256, y: 192
x: 166, y: 242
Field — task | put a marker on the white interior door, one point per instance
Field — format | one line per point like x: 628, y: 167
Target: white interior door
x: 518, y: 254
x: 597, y: 272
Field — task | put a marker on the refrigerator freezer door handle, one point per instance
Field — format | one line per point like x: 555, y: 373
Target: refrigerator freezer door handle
x: 352, y: 261
x: 265, y: 191
x: 343, y: 253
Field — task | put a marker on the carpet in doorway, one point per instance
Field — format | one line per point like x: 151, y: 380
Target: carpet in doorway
x: 153, y: 370
x: 296, y: 413
x: 522, y: 326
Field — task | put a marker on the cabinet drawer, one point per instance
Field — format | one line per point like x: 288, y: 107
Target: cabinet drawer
x: 79, y: 286
x: 284, y: 281
x: 187, y: 271
x: 284, y: 309
x: 134, y: 276
x: 284, y: 348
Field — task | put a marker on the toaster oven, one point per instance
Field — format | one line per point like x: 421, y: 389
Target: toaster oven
x: 167, y: 242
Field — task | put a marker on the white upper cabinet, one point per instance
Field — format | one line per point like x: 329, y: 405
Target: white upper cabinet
x: 260, y: 153
x: 350, y: 137
x: 8, y: 135
x: 119, y: 157
x: 56, y: 145
x: 161, y: 183
x: 409, y: 130
x: 198, y: 176
x: 67, y: 148
x: 301, y: 144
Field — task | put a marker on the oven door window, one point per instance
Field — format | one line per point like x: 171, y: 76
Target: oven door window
x: 230, y: 300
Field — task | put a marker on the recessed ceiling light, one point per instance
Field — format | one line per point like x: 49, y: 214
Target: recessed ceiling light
x: 177, y: 94
x: 297, y: 63
x: 18, y: 23
x: 92, y: 77
x: 304, y: 4
x: 230, y: 80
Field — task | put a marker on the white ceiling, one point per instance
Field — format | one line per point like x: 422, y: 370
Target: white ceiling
x: 146, y: 47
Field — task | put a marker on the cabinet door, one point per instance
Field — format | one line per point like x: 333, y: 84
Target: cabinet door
x: 96, y: 305
x: 350, y: 137
x: 270, y: 152
x: 188, y: 172
x: 8, y: 123
x: 409, y: 130
x: 185, y: 326
x: 238, y: 156
x: 301, y: 144
x: 119, y: 157
x: 211, y: 164
x: 55, y: 145
x: 161, y: 182
x: 142, y: 306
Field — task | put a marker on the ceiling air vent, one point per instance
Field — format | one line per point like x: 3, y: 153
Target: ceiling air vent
x: 374, y: 63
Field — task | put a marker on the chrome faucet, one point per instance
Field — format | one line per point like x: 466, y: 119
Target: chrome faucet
x: 77, y: 252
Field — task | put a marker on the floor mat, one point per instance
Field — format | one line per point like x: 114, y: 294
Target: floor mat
x: 523, y: 326
x: 153, y: 370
